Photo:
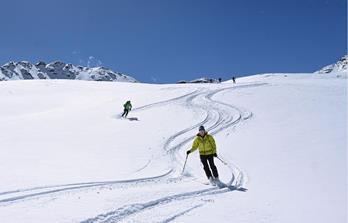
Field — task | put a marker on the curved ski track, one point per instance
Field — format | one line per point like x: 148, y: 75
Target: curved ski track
x: 217, y: 117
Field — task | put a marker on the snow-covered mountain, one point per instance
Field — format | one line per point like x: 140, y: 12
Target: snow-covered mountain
x: 200, y: 80
x: 340, y: 66
x: 24, y: 70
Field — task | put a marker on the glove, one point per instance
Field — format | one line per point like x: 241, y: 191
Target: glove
x: 188, y: 152
x: 215, y: 154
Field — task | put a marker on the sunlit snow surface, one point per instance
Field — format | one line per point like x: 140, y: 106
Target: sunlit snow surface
x: 67, y: 156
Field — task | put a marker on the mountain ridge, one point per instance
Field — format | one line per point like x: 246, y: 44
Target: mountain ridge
x: 24, y: 70
x: 340, y: 66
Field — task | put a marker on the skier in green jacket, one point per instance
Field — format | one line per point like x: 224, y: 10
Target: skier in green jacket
x: 127, y: 107
x: 207, y: 151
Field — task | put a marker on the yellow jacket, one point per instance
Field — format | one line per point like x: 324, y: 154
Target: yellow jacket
x: 205, y: 144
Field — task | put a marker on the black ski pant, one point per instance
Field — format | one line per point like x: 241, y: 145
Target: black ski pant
x: 125, y: 113
x: 205, y: 159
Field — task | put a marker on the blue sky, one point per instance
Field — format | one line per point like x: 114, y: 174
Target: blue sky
x: 164, y: 41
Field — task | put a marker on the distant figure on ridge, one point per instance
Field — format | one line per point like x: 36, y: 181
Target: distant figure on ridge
x: 127, y: 107
x: 234, y: 80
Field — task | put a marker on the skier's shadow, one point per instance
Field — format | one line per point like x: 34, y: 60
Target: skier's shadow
x: 133, y: 119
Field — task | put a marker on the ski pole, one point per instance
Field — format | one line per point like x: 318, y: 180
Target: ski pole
x: 184, y: 164
x: 222, y: 161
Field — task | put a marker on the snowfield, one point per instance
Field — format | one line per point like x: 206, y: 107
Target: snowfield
x: 67, y: 156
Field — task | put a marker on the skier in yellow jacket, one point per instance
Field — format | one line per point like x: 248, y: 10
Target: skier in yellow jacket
x: 207, y: 151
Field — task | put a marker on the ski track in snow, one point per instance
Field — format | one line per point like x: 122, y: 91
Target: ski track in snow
x: 217, y: 117
x: 20, y: 194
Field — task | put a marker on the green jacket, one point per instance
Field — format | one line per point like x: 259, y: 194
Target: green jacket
x: 127, y: 106
x: 206, y: 144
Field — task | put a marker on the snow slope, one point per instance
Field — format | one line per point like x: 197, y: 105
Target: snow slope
x: 68, y: 157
